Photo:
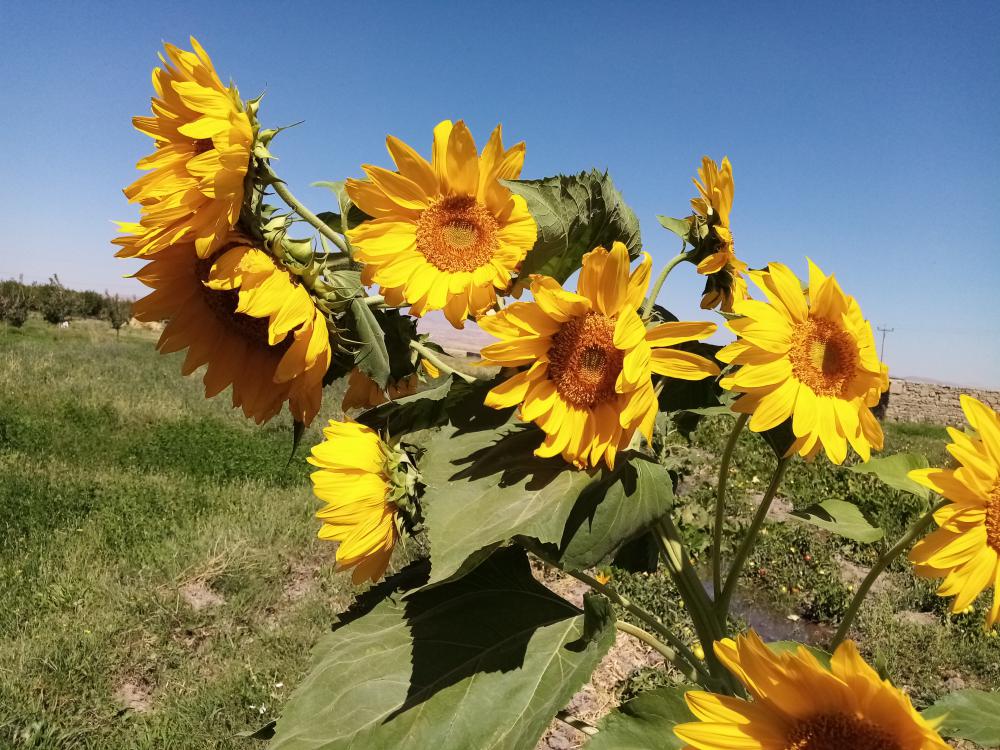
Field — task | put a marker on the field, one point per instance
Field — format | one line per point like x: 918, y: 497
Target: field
x: 162, y: 582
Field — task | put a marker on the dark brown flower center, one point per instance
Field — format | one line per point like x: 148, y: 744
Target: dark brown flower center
x: 584, y: 363
x: 223, y: 303
x: 839, y: 732
x: 457, y: 233
x: 824, y: 357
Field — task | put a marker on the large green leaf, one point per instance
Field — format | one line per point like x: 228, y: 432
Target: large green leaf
x: 484, y: 662
x: 484, y: 487
x: 841, y: 518
x: 644, y: 723
x: 371, y: 355
x: 892, y: 470
x: 972, y: 715
x: 574, y: 214
x: 454, y: 402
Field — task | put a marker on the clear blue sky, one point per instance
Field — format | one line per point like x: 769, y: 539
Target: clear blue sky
x: 865, y: 135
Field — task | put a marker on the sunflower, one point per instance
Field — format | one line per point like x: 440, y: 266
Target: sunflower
x: 965, y: 550
x: 798, y: 704
x: 814, y: 361
x: 363, y: 392
x: 203, y: 134
x: 354, y: 481
x: 725, y: 283
x: 588, y: 384
x: 445, y: 235
x: 244, y: 316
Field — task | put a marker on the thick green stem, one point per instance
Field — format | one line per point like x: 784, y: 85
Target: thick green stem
x: 749, y: 539
x: 431, y: 356
x: 293, y: 203
x: 688, y: 664
x: 652, y: 641
x: 655, y: 292
x: 720, y: 504
x: 693, y: 594
x: 883, y: 562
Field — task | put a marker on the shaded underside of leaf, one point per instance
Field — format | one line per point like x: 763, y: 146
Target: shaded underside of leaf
x: 483, y: 662
x: 574, y: 214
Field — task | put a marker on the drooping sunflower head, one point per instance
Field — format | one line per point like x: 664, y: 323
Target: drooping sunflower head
x: 445, y: 235
x: 965, y: 549
x: 245, y: 317
x: 204, y: 136
x: 358, y: 478
x: 363, y: 392
x: 589, y: 358
x: 812, y: 360
x: 799, y: 704
x: 715, y: 191
x: 725, y: 287
x: 714, y: 253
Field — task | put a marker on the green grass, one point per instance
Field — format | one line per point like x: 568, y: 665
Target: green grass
x: 125, y: 497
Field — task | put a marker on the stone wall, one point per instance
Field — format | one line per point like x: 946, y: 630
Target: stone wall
x: 910, y: 401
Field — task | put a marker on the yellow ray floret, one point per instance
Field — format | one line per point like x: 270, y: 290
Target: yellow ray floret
x: 193, y: 191
x: 809, y: 357
x: 798, y: 704
x: 725, y: 283
x: 353, y: 481
x: 445, y: 235
x: 965, y: 549
x: 245, y: 317
x: 589, y: 358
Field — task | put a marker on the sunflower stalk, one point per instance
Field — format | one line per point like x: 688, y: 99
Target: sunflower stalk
x: 683, y: 658
x: 749, y: 540
x: 647, y: 308
x: 698, y: 605
x: 884, y: 561
x: 720, y: 504
x: 431, y: 356
x: 265, y: 171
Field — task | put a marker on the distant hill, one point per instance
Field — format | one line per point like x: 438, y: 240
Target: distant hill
x: 471, y: 339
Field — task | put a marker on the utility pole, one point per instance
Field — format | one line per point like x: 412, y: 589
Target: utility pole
x: 881, y: 354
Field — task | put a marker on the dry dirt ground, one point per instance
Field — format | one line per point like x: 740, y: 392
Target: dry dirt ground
x: 599, y: 695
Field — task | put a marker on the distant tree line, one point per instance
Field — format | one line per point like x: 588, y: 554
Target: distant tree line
x: 57, y: 304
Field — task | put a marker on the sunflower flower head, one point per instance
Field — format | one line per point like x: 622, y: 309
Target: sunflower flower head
x: 363, y: 392
x: 445, y: 234
x: 965, y: 549
x: 247, y: 318
x: 589, y: 358
x: 364, y: 483
x: 204, y: 135
x: 811, y: 358
x: 799, y: 704
x: 714, y: 255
